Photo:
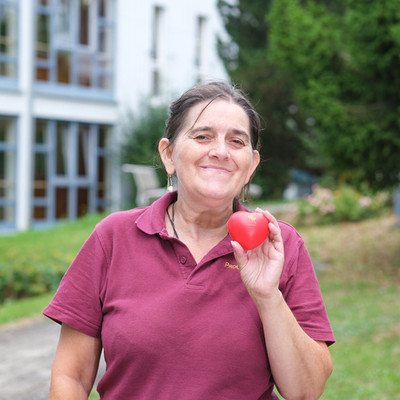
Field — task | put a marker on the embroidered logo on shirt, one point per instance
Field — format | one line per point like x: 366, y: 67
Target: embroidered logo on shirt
x: 252, y: 218
x: 228, y: 265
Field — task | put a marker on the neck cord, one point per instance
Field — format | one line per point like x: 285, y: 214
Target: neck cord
x: 172, y: 219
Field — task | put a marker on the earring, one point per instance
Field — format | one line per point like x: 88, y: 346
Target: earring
x: 242, y: 194
x: 170, y: 188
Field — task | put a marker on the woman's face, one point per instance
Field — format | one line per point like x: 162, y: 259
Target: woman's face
x: 212, y: 155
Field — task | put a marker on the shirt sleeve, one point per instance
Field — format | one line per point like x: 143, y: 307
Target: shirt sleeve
x: 77, y: 301
x: 300, y: 288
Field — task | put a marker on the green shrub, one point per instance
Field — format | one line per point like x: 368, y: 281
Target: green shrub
x: 142, y: 132
x: 32, y: 263
x: 345, y: 203
x: 21, y: 278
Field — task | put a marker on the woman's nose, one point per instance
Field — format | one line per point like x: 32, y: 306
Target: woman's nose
x: 219, y: 149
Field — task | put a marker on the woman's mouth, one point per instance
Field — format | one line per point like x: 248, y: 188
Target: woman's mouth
x: 216, y: 168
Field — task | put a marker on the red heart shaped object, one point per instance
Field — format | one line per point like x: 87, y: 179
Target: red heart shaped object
x: 249, y: 229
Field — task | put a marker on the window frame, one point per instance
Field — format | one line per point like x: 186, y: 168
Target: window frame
x: 11, y: 81
x: 10, y: 201
x: 70, y: 180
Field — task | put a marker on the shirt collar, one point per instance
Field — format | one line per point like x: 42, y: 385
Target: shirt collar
x: 152, y: 220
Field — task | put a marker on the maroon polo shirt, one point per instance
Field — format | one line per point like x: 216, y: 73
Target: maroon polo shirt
x: 172, y: 328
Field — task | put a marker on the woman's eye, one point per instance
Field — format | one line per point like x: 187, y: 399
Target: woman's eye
x: 201, y: 137
x: 238, y: 142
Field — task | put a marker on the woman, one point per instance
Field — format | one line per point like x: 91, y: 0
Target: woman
x: 182, y: 311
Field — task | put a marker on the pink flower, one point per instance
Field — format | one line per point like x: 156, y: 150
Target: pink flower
x: 365, y: 201
x: 327, y: 209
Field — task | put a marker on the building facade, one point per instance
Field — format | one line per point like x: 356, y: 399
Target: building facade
x: 69, y: 72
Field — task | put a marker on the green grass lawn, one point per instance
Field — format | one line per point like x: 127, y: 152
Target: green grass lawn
x: 359, y: 279
x: 358, y: 266
x: 65, y: 238
x: 13, y: 310
x: 366, y: 321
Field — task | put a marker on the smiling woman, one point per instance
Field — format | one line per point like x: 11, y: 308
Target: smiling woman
x: 182, y: 310
x: 212, y: 155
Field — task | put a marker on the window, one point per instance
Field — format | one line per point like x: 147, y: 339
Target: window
x: 8, y: 39
x: 7, y: 171
x: 156, y: 34
x: 74, y: 43
x: 70, y: 169
x: 199, y: 61
x: 156, y: 50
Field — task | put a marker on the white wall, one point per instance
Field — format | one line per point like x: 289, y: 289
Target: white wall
x: 24, y: 134
x: 134, y: 44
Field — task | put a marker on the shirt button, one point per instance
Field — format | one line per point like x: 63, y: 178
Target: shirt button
x: 182, y: 260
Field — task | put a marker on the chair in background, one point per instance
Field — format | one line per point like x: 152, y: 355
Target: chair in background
x: 147, y: 184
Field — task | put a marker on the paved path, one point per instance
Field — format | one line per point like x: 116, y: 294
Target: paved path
x: 26, y: 353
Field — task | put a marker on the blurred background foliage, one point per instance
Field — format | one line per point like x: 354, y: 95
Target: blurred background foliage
x: 141, y: 134
x: 325, y: 76
x: 343, y: 204
x: 345, y: 65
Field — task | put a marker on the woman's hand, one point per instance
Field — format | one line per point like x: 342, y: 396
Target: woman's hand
x: 261, y: 267
x: 300, y: 365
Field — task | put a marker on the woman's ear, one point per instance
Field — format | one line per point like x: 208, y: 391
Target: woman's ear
x: 165, y: 151
x: 254, y: 165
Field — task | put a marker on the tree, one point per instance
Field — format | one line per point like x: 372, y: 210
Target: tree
x: 345, y: 63
x: 142, y: 132
x: 246, y: 57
